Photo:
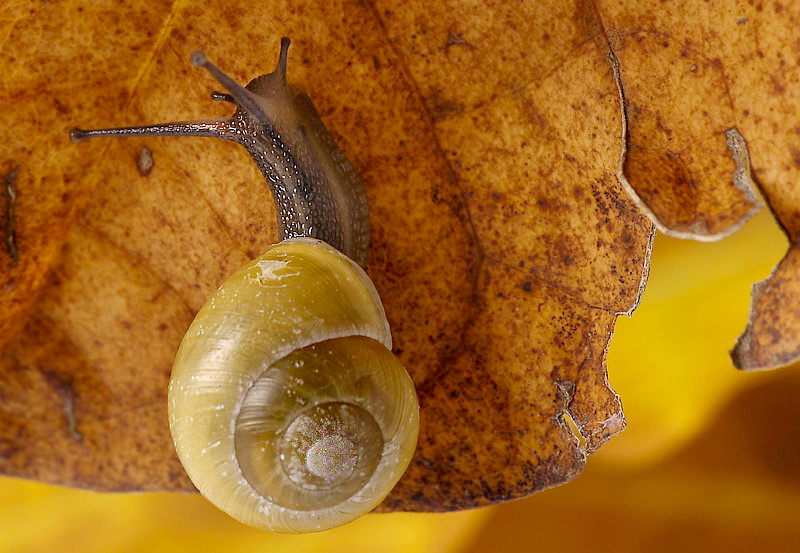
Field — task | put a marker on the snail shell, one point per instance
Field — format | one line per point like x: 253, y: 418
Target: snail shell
x: 285, y: 398
x: 286, y: 406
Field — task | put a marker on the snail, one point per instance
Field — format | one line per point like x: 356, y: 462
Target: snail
x: 287, y: 408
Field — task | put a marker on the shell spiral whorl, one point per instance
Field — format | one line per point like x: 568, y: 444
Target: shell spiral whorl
x: 300, y: 417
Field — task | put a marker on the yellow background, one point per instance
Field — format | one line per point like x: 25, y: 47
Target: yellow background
x: 710, y: 459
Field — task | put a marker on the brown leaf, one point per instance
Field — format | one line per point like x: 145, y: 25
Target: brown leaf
x: 709, y: 87
x: 502, y: 244
x: 770, y: 339
x: 734, y: 487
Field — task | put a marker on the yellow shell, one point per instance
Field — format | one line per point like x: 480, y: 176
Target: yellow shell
x: 287, y: 408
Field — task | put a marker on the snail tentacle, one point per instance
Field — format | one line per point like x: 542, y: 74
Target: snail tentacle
x: 316, y: 190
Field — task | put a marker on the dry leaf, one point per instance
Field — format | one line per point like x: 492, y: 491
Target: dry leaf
x: 708, y: 88
x: 502, y: 244
x: 700, y: 498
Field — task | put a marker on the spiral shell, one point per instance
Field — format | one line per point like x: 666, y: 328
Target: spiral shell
x: 287, y: 408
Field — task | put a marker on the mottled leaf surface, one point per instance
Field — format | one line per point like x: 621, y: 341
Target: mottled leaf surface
x: 712, y: 104
x: 504, y: 247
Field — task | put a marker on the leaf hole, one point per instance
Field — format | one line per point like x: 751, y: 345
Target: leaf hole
x: 573, y: 427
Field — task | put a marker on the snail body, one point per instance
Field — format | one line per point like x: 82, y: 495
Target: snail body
x: 287, y: 408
